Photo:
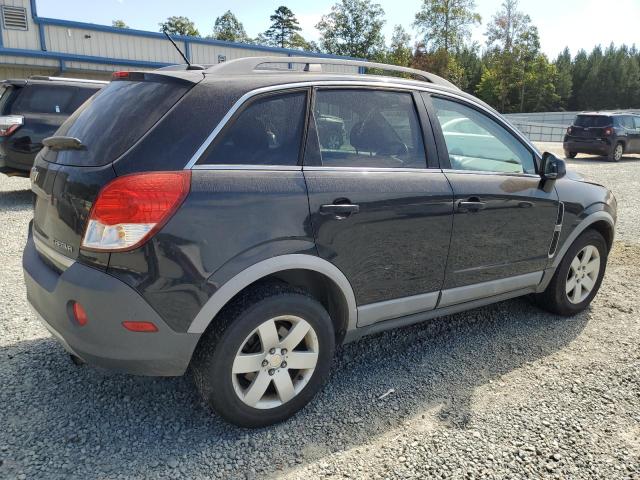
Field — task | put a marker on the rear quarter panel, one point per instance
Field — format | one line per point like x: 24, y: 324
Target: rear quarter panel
x: 230, y: 220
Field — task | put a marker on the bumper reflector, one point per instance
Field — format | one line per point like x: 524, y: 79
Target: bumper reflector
x: 79, y: 314
x: 148, y: 327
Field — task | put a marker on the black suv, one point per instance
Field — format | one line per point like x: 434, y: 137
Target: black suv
x: 608, y: 134
x: 200, y: 218
x: 33, y: 109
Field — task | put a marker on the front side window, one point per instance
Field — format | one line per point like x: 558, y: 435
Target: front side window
x: 368, y: 128
x: 267, y: 132
x: 476, y: 142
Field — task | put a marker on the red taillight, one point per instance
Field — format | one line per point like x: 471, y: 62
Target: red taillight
x: 120, y: 75
x: 79, y: 315
x: 569, y: 131
x: 608, y: 131
x: 130, y: 209
x: 148, y: 327
x: 9, y: 124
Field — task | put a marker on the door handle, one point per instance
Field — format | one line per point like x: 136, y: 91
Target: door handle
x: 339, y: 210
x: 471, y: 205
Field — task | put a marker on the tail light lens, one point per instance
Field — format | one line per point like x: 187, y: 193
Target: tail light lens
x: 132, y: 208
x: 569, y: 131
x: 9, y: 124
x: 608, y: 131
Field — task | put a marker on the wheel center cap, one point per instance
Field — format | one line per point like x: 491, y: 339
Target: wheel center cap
x: 275, y: 360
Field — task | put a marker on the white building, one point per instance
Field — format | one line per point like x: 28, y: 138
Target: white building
x: 33, y: 45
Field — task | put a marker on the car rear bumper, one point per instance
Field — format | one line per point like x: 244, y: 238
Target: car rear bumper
x: 103, y: 341
x: 593, y: 146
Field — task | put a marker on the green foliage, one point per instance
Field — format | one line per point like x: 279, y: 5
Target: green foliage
x: 119, y: 24
x: 227, y: 27
x: 399, y: 52
x: 179, y: 26
x: 446, y: 24
x: 284, y: 29
x: 353, y: 28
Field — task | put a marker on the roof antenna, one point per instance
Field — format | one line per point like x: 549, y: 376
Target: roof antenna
x: 189, y: 65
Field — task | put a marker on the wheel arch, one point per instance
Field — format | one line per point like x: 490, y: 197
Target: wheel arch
x: 600, y: 221
x: 320, y: 278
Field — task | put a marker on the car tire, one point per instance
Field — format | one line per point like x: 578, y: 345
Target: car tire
x: 616, y: 153
x: 576, y: 280
x: 225, y: 365
x: 570, y: 154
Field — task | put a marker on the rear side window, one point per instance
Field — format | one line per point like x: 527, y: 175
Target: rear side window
x: 267, y: 132
x: 368, y: 128
x: 115, y: 118
x: 636, y: 122
x: 588, y: 121
x: 626, y: 122
x: 50, y: 99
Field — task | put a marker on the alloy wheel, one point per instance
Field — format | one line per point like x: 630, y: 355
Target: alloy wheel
x: 583, y: 274
x: 275, y: 362
x: 617, y: 153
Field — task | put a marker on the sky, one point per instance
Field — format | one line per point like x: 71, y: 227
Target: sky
x: 573, y: 23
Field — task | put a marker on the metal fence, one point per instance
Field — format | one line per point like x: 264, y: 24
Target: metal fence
x: 547, y: 126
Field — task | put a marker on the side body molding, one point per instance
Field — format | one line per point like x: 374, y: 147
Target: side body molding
x: 268, y: 267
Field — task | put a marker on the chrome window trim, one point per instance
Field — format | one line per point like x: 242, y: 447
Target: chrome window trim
x: 278, y: 168
x: 485, y: 172
x: 347, y: 83
x: 320, y: 168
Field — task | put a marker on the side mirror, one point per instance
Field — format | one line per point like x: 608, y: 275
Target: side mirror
x: 552, y: 168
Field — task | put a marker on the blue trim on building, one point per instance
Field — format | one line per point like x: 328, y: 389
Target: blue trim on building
x: 41, y: 21
x: 1, y: 44
x: 17, y: 52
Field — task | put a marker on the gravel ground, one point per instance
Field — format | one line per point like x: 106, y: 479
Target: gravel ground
x: 505, y: 391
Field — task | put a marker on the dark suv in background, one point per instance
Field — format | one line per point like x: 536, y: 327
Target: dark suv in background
x: 243, y: 221
x: 608, y: 134
x: 33, y: 109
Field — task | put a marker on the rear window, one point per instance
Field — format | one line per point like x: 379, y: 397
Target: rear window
x: 7, y: 95
x: 592, y: 121
x: 52, y: 99
x: 116, y: 117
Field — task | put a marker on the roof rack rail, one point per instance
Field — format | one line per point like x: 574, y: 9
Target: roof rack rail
x: 65, y: 79
x: 249, y: 65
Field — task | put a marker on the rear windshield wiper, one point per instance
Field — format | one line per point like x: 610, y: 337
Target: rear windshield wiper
x: 63, y: 143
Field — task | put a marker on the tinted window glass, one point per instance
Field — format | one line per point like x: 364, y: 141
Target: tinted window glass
x: 115, y: 118
x: 636, y: 122
x: 43, y: 99
x: 592, y: 121
x: 476, y: 142
x: 368, y: 128
x: 267, y: 132
x: 627, y: 122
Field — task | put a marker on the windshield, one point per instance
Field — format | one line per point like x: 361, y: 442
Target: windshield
x: 593, y: 121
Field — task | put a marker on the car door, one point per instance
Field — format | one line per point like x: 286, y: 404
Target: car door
x: 380, y: 213
x: 504, y: 216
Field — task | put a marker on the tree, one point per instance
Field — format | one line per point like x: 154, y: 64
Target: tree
x: 284, y: 29
x: 399, y: 52
x: 179, y: 26
x: 228, y: 28
x: 516, y: 77
x: 353, y: 28
x: 119, y: 24
x: 564, y: 81
x: 446, y: 24
x: 507, y: 26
